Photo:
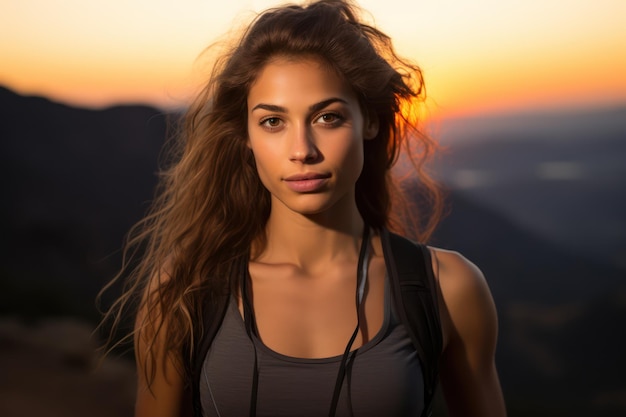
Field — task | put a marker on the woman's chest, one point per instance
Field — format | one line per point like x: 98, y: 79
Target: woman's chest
x: 383, y: 377
x: 314, y: 318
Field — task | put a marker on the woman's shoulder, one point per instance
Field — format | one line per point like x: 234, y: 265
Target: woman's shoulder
x: 456, y: 274
x: 467, y: 307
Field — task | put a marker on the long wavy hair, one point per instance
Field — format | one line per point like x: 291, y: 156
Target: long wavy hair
x: 211, y: 206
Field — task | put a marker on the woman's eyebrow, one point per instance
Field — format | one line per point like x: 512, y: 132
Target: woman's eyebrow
x: 313, y: 107
x: 322, y: 104
x: 270, y: 107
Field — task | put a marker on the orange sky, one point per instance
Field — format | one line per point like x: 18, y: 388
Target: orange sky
x: 478, y: 56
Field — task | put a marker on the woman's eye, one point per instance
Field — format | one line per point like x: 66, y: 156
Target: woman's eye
x: 271, y: 122
x: 330, y: 119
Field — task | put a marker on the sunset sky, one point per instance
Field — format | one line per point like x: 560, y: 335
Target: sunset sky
x: 478, y: 56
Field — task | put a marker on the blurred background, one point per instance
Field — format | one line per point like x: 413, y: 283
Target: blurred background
x: 528, y: 101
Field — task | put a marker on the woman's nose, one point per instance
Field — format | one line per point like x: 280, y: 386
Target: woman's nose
x: 303, y: 147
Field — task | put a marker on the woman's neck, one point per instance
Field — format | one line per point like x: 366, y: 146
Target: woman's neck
x: 306, y: 241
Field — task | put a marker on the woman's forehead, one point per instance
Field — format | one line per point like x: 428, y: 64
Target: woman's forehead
x: 285, y: 79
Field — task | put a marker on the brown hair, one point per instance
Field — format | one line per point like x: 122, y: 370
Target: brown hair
x: 211, y: 205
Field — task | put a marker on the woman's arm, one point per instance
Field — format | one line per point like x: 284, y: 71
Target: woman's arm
x: 470, y: 327
x: 166, y: 395
x: 161, y: 389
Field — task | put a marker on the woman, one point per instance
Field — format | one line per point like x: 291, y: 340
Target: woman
x: 278, y: 195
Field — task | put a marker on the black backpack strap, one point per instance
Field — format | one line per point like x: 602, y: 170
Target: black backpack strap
x: 212, y: 316
x: 213, y: 312
x: 415, y: 294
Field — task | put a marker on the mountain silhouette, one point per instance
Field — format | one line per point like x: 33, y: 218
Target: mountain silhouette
x: 75, y: 180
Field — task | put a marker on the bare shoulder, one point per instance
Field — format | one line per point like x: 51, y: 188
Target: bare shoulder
x: 467, y: 307
x: 460, y: 280
x: 455, y: 269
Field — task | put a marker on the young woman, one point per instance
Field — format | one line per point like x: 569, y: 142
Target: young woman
x: 278, y: 198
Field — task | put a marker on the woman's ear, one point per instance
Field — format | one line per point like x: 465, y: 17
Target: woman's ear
x: 370, y: 127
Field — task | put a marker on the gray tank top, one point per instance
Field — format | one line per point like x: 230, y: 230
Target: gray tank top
x: 384, y: 376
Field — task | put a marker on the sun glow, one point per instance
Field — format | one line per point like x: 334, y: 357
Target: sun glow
x: 477, y: 57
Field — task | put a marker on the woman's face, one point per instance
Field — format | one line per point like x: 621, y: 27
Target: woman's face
x: 306, y: 132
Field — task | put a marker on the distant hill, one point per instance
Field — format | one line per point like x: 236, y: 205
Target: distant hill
x: 560, y: 175
x: 75, y: 180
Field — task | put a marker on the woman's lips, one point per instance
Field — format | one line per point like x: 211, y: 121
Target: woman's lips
x: 306, y: 183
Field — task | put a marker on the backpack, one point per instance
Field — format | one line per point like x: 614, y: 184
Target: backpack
x: 413, y: 292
